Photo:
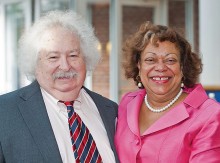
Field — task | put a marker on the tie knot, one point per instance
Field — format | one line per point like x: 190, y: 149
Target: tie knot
x: 68, y: 103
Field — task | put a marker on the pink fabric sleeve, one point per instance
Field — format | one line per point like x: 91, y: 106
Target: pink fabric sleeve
x: 206, y: 145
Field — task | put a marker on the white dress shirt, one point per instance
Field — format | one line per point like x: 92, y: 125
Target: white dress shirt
x: 88, y: 112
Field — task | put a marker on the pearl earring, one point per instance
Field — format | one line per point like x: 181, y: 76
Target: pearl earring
x: 182, y: 85
x: 139, y: 84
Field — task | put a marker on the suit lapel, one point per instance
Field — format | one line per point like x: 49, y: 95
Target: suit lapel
x: 34, y: 113
x: 105, y: 113
x: 108, y: 117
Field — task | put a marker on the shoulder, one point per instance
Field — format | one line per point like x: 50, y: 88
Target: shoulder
x: 207, y: 122
x: 202, y: 105
x: 19, y: 94
x: 131, y: 95
x: 211, y: 107
x: 206, y: 117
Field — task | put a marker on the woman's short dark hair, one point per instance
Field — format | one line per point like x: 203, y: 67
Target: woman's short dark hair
x: 190, y: 62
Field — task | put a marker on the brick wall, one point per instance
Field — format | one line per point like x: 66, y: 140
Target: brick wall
x: 100, y: 20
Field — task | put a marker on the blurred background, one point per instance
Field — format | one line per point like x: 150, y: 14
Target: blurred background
x: 114, y: 21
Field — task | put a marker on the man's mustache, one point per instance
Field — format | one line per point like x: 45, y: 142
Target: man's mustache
x: 61, y: 74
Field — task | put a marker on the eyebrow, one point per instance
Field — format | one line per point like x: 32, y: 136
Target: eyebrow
x: 74, y: 50
x: 165, y: 55
x: 52, y: 52
x: 57, y: 52
x: 49, y: 52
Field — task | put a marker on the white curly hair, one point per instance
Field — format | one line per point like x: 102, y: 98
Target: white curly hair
x: 30, y: 46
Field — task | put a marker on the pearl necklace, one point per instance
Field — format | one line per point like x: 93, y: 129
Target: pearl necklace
x: 165, y: 107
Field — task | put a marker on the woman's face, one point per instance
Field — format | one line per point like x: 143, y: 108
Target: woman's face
x: 160, y: 70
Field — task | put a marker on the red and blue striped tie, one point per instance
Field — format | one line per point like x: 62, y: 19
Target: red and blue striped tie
x: 84, y: 147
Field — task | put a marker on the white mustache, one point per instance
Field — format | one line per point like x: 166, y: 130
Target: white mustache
x: 61, y: 74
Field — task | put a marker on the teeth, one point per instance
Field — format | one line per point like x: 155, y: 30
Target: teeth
x: 158, y: 78
x: 164, y: 78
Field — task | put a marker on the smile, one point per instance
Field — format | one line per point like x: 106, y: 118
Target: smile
x: 160, y: 78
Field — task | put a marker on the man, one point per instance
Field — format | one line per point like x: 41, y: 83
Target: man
x: 56, y: 53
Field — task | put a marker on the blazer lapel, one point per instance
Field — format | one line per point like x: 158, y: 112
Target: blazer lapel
x: 34, y: 113
x: 173, y: 117
x: 133, y: 109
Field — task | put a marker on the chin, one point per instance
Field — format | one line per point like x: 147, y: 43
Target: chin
x: 68, y: 88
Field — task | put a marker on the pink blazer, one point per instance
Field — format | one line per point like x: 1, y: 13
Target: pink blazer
x: 190, y: 132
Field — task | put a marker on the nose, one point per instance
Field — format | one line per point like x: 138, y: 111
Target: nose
x: 160, y: 66
x: 64, y: 64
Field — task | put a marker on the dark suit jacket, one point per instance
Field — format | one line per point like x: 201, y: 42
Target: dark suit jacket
x: 26, y: 135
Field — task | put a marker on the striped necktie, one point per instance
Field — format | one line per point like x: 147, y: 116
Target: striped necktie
x: 84, y: 147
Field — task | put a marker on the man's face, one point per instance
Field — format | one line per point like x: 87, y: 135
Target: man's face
x: 61, y: 67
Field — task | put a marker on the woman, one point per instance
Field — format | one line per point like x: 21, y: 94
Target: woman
x: 170, y: 119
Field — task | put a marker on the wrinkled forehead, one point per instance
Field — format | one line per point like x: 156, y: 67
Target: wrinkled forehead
x: 57, y: 38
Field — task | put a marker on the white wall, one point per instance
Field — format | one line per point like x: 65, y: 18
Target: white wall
x: 209, y: 32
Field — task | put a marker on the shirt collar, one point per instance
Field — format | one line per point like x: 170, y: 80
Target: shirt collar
x: 48, y: 96
x: 61, y: 106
